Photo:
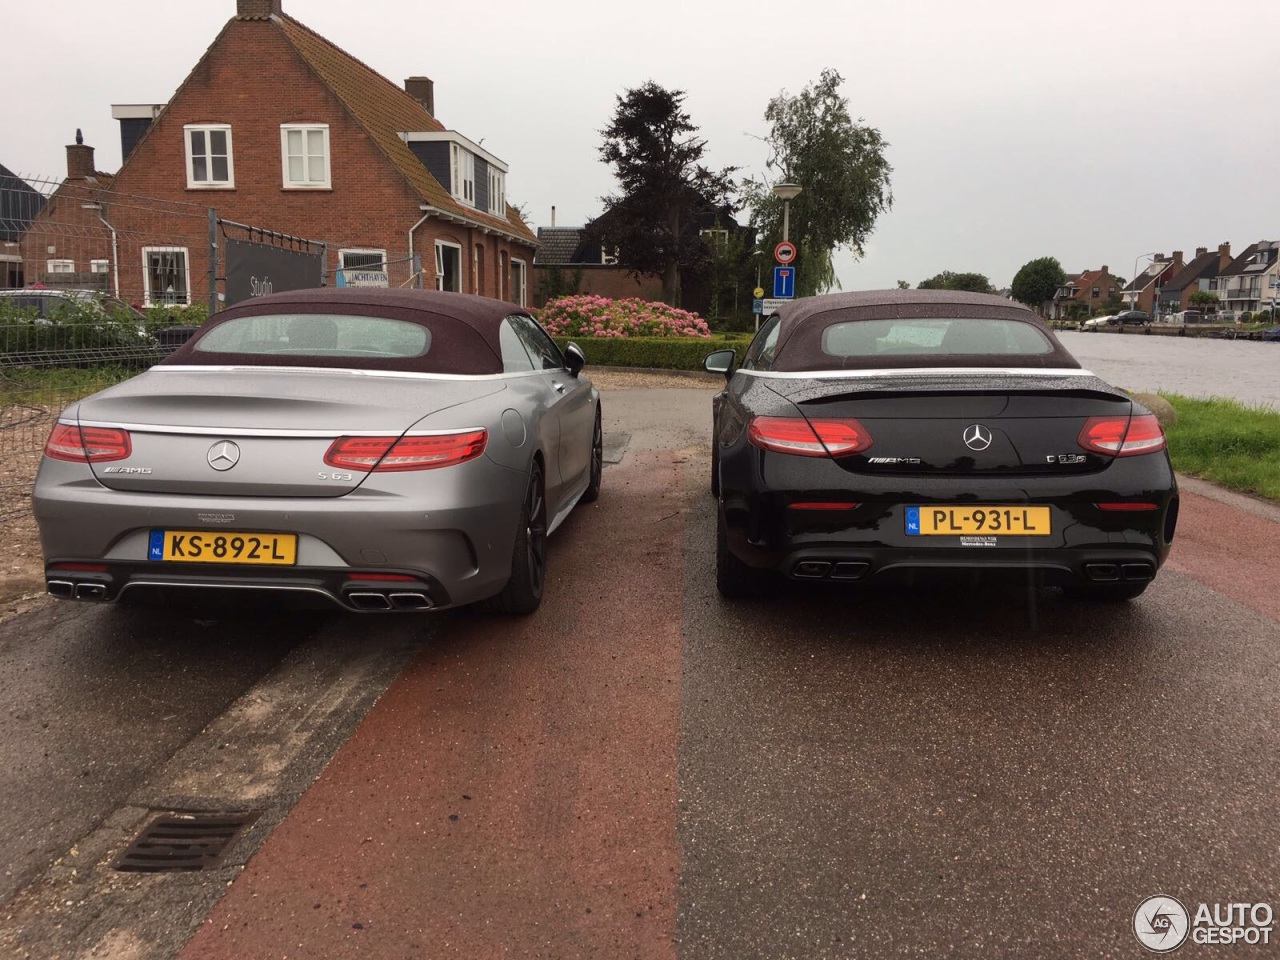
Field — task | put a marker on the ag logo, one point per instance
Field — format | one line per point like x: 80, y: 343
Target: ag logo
x: 1161, y: 924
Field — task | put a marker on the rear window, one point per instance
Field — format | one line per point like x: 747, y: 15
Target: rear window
x: 317, y: 335
x: 933, y: 337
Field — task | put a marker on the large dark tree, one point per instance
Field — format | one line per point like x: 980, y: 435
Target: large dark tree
x: 655, y: 153
x: 1038, y: 281
x: 840, y: 166
x: 947, y: 280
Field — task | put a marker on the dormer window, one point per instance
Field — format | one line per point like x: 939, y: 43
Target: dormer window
x: 497, y: 192
x: 463, y: 172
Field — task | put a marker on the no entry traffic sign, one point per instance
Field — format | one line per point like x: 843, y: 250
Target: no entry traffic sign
x: 784, y: 252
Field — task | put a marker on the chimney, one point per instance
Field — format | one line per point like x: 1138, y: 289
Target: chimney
x: 553, y: 215
x: 1105, y: 270
x: 1177, y: 256
x: 1224, y: 256
x: 257, y: 9
x: 423, y: 90
x: 1201, y: 251
x: 1159, y: 257
x: 79, y: 159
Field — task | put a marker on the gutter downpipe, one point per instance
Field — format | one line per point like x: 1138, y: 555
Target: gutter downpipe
x: 411, y: 230
x: 115, y: 255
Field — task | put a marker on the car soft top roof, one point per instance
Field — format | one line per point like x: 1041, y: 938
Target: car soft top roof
x: 464, y: 329
x: 802, y: 322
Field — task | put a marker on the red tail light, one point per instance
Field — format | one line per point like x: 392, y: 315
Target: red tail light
x: 833, y: 437
x: 391, y: 454
x: 1122, y: 436
x: 822, y: 505
x: 67, y: 441
x: 1126, y: 506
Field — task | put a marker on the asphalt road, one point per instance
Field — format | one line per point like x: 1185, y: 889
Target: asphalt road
x: 643, y: 770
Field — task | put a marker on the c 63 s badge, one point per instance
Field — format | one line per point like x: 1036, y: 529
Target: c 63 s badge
x: 1065, y: 458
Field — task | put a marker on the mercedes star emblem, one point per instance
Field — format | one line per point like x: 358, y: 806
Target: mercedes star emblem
x: 977, y: 437
x: 224, y: 455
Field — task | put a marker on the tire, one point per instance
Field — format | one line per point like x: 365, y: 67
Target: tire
x: 734, y: 579
x: 1107, y: 592
x: 592, y: 493
x: 523, y: 592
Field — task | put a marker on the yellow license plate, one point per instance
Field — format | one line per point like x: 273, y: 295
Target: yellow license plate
x: 952, y: 521
x: 223, y: 546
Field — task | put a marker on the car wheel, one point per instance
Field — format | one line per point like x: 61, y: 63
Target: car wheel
x: 597, y: 462
x: 1106, y: 592
x: 523, y: 592
x: 734, y: 579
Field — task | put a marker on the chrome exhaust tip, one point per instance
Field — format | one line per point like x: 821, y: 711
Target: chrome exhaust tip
x: 60, y: 588
x: 91, y: 591
x: 411, y: 601
x: 365, y: 600
x: 811, y: 569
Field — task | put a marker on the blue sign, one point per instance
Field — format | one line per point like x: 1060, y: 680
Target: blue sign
x: 155, y: 545
x: 784, y: 283
x: 913, y: 521
x: 757, y: 306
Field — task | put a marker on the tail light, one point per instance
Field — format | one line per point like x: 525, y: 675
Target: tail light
x: 819, y: 437
x: 822, y: 505
x: 1126, y: 506
x: 392, y: 454
x: 1122, y: 436
x: 69, y: 441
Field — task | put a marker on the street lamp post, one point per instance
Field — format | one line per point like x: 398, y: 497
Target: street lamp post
x: 1133, y: 299
x: 786, y: 192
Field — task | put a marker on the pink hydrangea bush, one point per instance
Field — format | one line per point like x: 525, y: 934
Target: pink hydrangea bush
x: 586, y: 315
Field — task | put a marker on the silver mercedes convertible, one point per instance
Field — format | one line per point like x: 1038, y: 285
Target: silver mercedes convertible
x: 382, y: 450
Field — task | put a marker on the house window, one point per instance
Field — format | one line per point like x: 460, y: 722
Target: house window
x: 518, y: 275
x: 717, y: 238
x: 478, y: 263
x: 463, y: 165
x: 209, y: 163
x: 60, y: 266
x: 98, y: 266
x: 362, y: 259
x: 304, y: 153
x: 1097, y: 292
x: 448, y: 266
x: 497, y: 192
x: 165, y: 276
x: 608, y: 254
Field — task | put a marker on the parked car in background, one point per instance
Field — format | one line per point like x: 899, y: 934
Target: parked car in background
x: 1188, y: 316
x: 49, y: 303
x: 917, y: 434
x: 375, y: 450
x: 1133, y: 316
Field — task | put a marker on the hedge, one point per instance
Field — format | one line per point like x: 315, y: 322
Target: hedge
x: 665, y: 353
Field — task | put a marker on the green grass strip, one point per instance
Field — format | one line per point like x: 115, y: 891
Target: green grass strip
x: 1227, y: 443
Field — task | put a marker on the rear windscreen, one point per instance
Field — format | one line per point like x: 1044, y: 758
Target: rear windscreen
x: 317, y: 335
x: 933, y: 337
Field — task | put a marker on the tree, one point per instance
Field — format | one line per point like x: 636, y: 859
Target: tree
x: 840, y: 166
x: 903, y: 285
x: 946, y: 280
x: 654, y: 150
x: 1206, y: 299
x: 1038, y: 280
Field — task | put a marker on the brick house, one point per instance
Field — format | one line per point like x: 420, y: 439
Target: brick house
x: 66, y: 243
x: 1201, y: 273
x: 566, y: 251
x: 279, y: 128
x: 1142, y: 291
x: 1084, y: 293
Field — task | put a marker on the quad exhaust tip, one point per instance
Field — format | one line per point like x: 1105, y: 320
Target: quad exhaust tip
x: 1115, y: 572
x: 830, y: 570
x: 72, y: 590
x: 398, y: 600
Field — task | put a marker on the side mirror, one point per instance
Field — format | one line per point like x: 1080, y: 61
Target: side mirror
x: 574, y: 358
x: 720, y: 362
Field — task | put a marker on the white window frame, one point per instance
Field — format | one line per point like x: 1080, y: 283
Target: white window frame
x: 364, y: 252
x: 608, y: 255
x: 210, y: 184
x: 148, y: 300
x: 522, y: 292
x: 440, y: 245
x: 718, y: 236
x: 59, y: 266
x: 325, y: 183
x: 99, y: 266
x: 462, y: 174
x: 497, y: 192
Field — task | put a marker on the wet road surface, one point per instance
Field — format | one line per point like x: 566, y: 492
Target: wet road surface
x: 643, y: 770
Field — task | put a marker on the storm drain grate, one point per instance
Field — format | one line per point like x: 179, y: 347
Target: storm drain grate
x: 183, y: 841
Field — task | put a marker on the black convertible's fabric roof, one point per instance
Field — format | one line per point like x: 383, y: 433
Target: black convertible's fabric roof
x: 803, y: 321
x: 464, y: 329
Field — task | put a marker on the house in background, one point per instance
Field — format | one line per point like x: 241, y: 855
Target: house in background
x: 1199, y: 274
x: 1142, y: 292
x: 67, y: 243
x: 1246, y: 284
x: 19, y: 204
x: 1084, y: 294
x: 277, y: 127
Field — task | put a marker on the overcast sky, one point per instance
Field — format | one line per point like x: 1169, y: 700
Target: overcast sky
x: 1090, y: 131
